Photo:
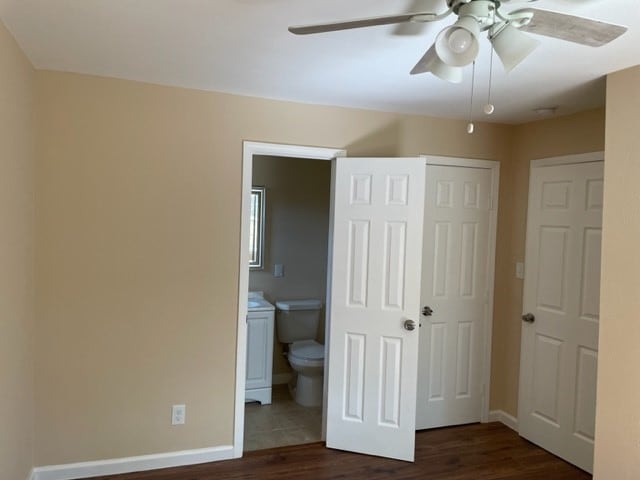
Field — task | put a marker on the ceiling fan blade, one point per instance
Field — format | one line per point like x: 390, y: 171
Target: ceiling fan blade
x: 431, y: 63
x: 364, y: 22
x: 584, y: 31
x: 424, y: 64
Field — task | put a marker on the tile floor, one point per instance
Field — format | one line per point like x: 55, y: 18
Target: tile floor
x: 284, y: 422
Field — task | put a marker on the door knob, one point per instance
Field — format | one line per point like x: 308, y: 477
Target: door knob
x: 409, y: 325
x: 426, y: 311
x: 528, y: 317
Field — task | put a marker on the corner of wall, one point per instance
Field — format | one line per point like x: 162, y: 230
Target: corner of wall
x: 17, y: 279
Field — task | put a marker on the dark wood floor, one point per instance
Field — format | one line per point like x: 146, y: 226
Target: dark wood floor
x: 482, y: 452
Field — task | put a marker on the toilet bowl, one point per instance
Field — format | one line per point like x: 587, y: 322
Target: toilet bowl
x: 306, y: 358
x: 296, y: 325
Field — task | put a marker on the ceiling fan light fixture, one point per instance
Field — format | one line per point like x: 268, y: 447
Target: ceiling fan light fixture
x: 431, y: 63
x: 512, y: 45
x: 457, y: 45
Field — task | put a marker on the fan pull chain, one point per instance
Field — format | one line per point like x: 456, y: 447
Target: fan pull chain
x: 489, y: 108
x: 470, y: 126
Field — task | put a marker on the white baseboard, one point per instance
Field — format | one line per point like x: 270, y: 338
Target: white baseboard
x: 32, y: 475
x: 132, y: 464
x: 281, y: 378
x: 503, y: 417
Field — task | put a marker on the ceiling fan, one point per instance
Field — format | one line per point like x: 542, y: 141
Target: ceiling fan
x: 457, y: 45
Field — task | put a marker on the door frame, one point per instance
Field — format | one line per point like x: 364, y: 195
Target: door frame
x: 566, y: 160
x: 494, y: 167
x: 249, y: 149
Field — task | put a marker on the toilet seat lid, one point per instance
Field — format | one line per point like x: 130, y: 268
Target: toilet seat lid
x: 309, y: 349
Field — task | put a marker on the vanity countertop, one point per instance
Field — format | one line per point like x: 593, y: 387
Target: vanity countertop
x: 257, y: 303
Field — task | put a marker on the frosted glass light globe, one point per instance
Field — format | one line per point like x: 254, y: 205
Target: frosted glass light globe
x: 460, y: 40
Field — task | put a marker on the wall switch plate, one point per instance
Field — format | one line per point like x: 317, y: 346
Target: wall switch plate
x: 520, y: 270
x: 178, y: 414
x: 278, y: 270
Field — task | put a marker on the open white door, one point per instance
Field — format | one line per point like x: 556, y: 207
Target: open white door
x: 374, y: 306
x: 559, y: 356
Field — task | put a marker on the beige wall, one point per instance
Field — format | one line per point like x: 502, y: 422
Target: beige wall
x: 16, y: 260
x: 138, y: 245
x: 297, y: 233
x: 138, y: 236
x: 617, y: 454
x: 579, y: 133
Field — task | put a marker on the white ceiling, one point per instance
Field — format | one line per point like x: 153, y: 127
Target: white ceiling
x: 243, y: 47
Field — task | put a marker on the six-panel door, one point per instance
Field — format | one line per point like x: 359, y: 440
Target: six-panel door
x: 455, y: 285
x: 375, y: 295
x: 559, y: 356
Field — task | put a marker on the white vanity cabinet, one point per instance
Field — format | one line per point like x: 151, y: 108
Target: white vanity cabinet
x: 260, y: 326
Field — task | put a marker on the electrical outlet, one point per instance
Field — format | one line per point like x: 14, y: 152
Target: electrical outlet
x: 178, y: 414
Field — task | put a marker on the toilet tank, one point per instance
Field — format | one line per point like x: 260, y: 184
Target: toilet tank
x: 297, y: 319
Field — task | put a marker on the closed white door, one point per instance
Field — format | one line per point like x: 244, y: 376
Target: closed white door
x: 374, y: 305
x: 559, y: 355
x: 456, y: 281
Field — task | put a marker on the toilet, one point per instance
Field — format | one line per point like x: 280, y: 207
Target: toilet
x: 296, y: 325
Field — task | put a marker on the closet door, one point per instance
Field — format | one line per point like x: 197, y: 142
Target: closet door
x: 457, y: 286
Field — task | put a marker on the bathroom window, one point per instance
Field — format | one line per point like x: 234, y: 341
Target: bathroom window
x: 256, y: 228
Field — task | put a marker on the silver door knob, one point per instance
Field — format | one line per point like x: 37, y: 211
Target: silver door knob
x: 528, y: 317
x: 409, y: 325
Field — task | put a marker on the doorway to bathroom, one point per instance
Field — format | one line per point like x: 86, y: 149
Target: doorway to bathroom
x: 288, y: 237
x: 295, y: 223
